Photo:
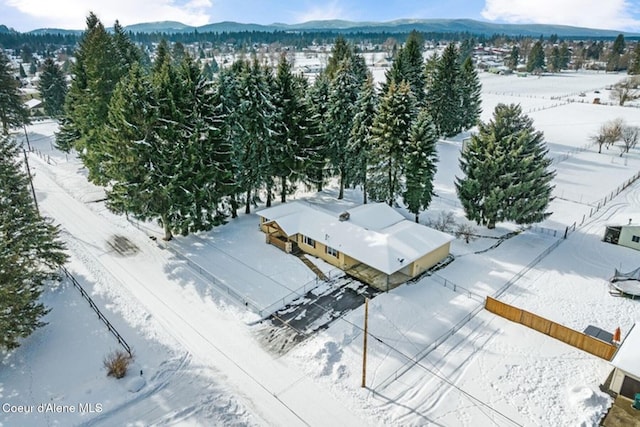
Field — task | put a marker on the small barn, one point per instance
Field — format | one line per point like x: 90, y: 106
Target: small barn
x: 371, y: 242
x: 626, y: 375
x: 623, y: 235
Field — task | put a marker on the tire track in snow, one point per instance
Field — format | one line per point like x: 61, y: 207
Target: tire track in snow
x: 80, y: 220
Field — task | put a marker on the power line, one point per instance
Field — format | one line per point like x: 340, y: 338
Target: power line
x: 421, y: 365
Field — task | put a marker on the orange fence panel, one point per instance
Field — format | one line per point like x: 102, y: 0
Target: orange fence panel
x: 562, y: 333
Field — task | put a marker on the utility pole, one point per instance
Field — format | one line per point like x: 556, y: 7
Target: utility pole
x: 364, y: 347
x: 26, y: 136
x: 33, y: 191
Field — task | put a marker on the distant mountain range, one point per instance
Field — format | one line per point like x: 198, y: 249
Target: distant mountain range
x: 397, y: 26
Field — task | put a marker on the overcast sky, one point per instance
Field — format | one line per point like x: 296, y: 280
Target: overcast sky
x: 25, y: 15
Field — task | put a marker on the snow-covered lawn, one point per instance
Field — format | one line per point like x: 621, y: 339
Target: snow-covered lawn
x: 434, y: 357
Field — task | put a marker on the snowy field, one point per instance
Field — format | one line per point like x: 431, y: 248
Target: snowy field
x: 437, y: 358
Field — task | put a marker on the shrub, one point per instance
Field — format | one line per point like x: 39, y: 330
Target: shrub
x: 117, y: 363
x: 466, y: 231
x: 445, y: 222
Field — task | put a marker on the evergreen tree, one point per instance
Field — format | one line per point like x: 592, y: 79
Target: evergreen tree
x: 409, y: 66
x: 33, y: 67
x: 30, y: 252
x: 12, y: 110
x: 535, y: 63
x: 617, y: 49
x: 634, y: 63
x: 430, y: 68
x: 343, y: 94
x: 207, y: 72
x: 226, y: 103
x: 470, y: 93
x: 421, y: 159
x: 129, y: 145
x: 53, y: 88
x: 514, y: 58
x: 506, y: 171
x: 340, y: 51
x: 254, y: 126
x: 466, y: 49
x: 215, y: 68
x: 204, y: 174
x: 555, y: 60
x: 292, y: 126
x: 389, y: 142
x: 360, y: 138
x: 565, y: 56
x: 444, y: 94
x: 22, y: 73
x: 318, y: 102
x: 98, y: 68
x: 127, y: 52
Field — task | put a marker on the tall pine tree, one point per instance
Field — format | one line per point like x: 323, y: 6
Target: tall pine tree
x: 390, y: 140
x: 506, y: 171
x: 292, y: 126
x: 535, y: 62
x: 470, y: 94
x: 53, y: 88
x: 315, y: 169
x: 445, y: 92
x: 12, y: 110
x: 30, y: 251
x: 409, y: 65
x: 343, y: 94
x: 254, y: 129
x: 634, y: 62
x: 360, y: 138
x: 420, y: 164
x: 98, y: 68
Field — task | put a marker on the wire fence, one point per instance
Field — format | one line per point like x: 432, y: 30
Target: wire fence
x: 467, y: 318
x: 95, y: 308
x: 457, y: 288
x: 245, y: 300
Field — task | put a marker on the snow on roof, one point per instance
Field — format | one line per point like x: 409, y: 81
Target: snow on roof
x: 383, y: 240
x: 374, y: 216
x: 628, y: 354
x: 33, y: 103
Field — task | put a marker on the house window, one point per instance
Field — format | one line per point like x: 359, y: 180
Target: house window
x: 635, y: 239
x: 308, y: 241
x: 330, y: 251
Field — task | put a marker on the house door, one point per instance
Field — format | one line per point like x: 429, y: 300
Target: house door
x: 630, y: 387
x: 612, y: 235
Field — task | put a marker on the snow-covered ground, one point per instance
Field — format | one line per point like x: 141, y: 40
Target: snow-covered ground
x: 437, y: 357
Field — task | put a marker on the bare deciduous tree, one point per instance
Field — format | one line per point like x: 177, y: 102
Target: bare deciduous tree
x: 626, y: 90
x: 629, y: 136
x: 608, y: 134
x: 444, y: 222
x: 466, y: 231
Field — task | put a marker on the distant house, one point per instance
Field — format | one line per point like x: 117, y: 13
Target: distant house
x: 34, y: 106
x: 623, y: 235
x: 626, y: 375
x: 372, y: 242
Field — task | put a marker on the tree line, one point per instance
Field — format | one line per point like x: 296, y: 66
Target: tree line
x: 173, y: 146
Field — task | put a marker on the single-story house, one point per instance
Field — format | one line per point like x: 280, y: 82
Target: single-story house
x: 626, y: 373
x: 372, y: 242
x: 623, y: 235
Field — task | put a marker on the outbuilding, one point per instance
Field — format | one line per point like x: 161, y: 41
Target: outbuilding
x: 626, y: 374
x: 623, y: 235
